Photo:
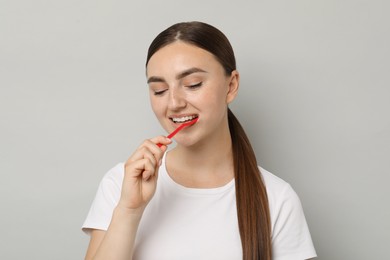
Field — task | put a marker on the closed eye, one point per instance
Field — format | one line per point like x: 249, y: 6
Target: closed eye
x: 194, y: 86
x: 159, y: 93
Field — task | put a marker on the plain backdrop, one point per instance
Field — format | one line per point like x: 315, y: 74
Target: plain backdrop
x: 314, y: 99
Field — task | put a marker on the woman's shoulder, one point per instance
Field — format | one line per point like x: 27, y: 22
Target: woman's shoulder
x: 279, y: 192
x: 273, y: 182
x: 114, y: 176
x: 290, y: 233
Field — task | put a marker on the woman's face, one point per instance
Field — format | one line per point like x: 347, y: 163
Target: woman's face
x: 185, y: 82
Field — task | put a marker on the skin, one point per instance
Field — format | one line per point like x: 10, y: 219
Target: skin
x: 201, y: 146
x: 183, y: 80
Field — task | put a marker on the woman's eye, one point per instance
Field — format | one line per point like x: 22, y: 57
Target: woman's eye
x: 159, y: 92
x: 193, y: 86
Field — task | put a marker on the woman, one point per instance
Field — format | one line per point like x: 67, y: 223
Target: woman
x: 206, y: 198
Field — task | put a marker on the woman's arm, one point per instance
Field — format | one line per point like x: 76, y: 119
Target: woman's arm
x: 118, y: 241
x: 138, y: 187
x: 94, y: 242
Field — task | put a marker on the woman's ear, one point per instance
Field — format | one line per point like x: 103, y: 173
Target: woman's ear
x: 234, y: 82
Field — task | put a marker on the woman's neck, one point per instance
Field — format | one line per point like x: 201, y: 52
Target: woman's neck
x: 205, y: 165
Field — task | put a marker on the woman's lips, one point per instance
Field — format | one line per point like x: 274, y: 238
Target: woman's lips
x: 180, y: 119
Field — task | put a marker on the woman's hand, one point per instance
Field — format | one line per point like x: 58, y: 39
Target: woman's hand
x: 141, y: 172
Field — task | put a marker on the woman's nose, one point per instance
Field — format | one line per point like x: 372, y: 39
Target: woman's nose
x: 176, y: 99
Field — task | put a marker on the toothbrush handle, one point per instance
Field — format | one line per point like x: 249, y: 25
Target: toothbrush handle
x: 173, y: 133
x: 179, y: 128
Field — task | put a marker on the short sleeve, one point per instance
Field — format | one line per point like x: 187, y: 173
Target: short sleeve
x: 291, y: 238
x: 106, y: 199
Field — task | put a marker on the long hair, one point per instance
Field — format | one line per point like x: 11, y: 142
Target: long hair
x: 251, y: 195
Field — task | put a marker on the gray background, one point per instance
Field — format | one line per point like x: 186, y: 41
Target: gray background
x: 314, y: 99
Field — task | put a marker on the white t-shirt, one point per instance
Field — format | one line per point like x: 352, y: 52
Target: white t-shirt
x: 186, y: 223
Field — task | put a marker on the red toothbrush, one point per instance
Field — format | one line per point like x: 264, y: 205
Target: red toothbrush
x: 193, y: 121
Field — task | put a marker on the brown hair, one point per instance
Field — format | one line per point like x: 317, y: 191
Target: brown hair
x: 251, y: 195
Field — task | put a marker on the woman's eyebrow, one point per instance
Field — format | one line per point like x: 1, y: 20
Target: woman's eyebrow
x: 179, y: 76
x: 155, y: 79
x: 189, y: 72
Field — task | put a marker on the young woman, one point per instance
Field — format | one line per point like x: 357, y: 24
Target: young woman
x: 206, y: 198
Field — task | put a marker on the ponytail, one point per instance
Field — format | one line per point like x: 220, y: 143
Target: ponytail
x: 251, y: 196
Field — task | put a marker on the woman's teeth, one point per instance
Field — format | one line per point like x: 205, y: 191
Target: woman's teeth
x: 183, y: 119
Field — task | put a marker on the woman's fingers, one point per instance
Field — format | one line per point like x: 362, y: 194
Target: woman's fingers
x: 143, y: 168
x: 151, y: 145
x: 141, y: 172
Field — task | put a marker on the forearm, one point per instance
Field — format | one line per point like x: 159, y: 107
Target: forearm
x: 118, y: 242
